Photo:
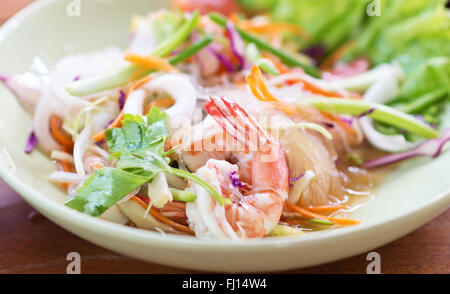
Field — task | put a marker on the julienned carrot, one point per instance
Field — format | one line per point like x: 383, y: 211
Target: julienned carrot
x: 64, y: 166
x: 337, y: 120
x: 309, y: 214
x: 60, y: 136
x: 115, y: 124
x: 315, y: 89
x: 155, y: 213
x: 257, y: 86
x: 281, y: 67
x: 161, y: 103
x: 337, y: 55
x: 148, y: 62
x: 271, y: 28
x: 118, y: 121
x: 325, y: 208
x: 260, y: 91
x: 275, y: 28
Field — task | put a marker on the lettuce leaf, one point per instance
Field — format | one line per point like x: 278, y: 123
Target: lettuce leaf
x: 432, y: 75
x: 329, y: 27
x: 412, y: 33
x: 402, y: 30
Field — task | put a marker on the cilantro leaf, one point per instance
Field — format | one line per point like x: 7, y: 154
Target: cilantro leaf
x: 103, y: 189
x: 139, y: 147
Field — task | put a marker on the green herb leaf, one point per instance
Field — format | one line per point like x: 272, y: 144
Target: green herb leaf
x: 139, y: 146
x: 103, y: 189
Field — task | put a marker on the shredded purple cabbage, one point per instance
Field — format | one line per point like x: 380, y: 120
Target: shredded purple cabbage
x: 4, y: 79
x: 316, y: 52
x: 109, y: 123
x: 235, y: 180
x: 348, y: 121
x: 100, y: 143
x: 431, y: 148
x: 76, y: 78
x: 365, y: 113
x: 175, y: 52
x: 222, y: 58
x: 31, y: 143
x: 122, y: 99
x: 237, y: 45
x: 328, y: 125
x: 291, y: 180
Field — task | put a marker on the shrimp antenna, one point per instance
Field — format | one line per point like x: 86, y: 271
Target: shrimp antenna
x: 236, y: 122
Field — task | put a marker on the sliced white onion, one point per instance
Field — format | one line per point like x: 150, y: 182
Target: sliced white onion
x: 138, y: 216
x: 381, y: 91
x: 300, y: 186
x: 27, y: 87
x: 41, y: 121
x: 72, y: 104
x: 102, y: 152
x: 101, y: 119
x: 80, y: 146
x: 61, y: 155
x: 159, y: 192
x: 113, y: 214
x: 66, y: 177
x: 363, y: 81
x: 180, y: 89
x: 135, y: 103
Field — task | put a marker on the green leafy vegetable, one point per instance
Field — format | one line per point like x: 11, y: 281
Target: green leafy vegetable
x: 412, y: 33
x: 139, y: 148
x: 424, y: 88
x: 398, y: 28
x: 103, y: 189
x: 329, y: 23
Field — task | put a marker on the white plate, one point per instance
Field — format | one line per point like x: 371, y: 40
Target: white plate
x: 412, y: 196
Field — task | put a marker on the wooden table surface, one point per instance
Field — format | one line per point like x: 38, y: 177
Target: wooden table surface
x: 30, y: 243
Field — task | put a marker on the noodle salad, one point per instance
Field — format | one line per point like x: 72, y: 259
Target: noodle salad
x: 216, y: 125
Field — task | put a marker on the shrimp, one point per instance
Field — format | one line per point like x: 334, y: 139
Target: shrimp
x: 257, y: 204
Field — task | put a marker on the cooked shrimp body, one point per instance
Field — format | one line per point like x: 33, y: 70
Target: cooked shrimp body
x: 258, y: 201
